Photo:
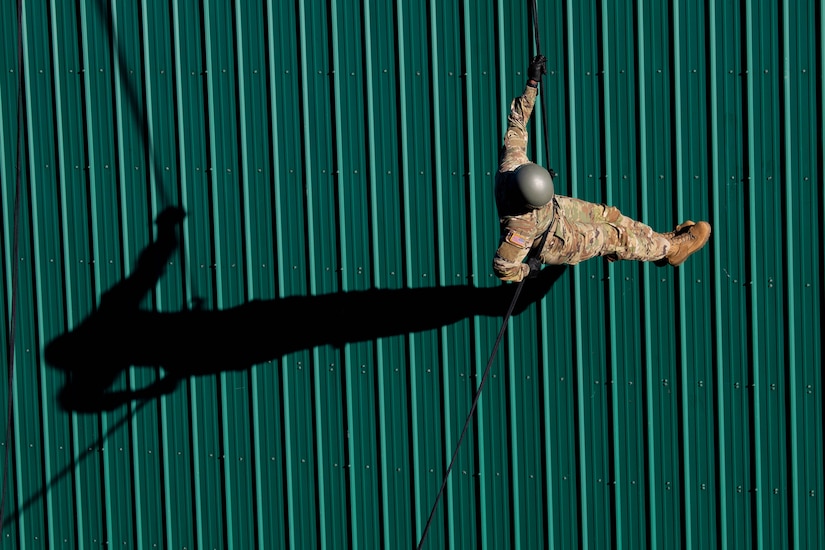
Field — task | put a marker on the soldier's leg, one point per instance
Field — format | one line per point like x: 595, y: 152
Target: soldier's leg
x: 589, y: 230
x: 637, y: 241
x: 577, y: 210
x: 574, y: 242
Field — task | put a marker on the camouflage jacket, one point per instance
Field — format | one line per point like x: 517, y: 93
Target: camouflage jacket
x: 520, y: 229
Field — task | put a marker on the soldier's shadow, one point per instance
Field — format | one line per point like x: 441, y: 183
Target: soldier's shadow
x: 193, y: 342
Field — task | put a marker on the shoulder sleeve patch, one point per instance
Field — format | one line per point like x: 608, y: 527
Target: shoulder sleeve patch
x: 516, y: 239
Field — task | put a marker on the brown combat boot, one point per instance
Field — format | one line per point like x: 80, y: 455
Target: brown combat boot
x: 688, y: 238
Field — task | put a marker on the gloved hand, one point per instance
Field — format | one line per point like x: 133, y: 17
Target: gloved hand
x: 537, y: 68
x: 535, y: 267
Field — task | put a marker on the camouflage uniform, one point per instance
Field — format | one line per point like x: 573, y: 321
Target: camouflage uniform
x: 577, y: 230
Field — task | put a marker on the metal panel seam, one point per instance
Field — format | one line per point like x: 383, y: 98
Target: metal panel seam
x: 572, y: 137
x: 717, y: 280
x: 652, y: 497
x: 754, y: 284
x: 608, y: 148
x: 686, y: 492
x: 790, y: 301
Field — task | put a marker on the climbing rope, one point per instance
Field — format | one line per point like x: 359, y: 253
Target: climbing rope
x: 534, y: 16
x: 14, y: 262
x: 485, y: 375
x: 478, y: 395
x: 470, y: 415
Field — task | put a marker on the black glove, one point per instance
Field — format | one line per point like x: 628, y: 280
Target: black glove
x: 537, y: 68
x: 535, y: 267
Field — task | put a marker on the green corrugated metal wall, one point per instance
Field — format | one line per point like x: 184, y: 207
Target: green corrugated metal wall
x: 338, y: 146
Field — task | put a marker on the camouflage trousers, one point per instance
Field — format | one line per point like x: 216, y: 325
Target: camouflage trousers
x: 585, y: 230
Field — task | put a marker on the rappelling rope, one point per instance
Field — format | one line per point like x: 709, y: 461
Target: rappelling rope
x: 535, y: 34
x: 533, y: 252
x: 14, y: 262
x: 477, y: 395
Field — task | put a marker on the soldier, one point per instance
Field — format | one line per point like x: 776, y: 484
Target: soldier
x: 576, y: 230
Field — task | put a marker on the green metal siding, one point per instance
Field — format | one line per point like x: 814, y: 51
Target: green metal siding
x: 322, y: 148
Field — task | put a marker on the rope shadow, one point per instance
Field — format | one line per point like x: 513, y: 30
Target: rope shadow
x: 95, y: 447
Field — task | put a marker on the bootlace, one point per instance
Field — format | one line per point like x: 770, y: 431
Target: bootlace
x: 681, y: 233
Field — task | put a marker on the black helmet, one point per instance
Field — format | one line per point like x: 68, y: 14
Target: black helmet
x: 535, y: 184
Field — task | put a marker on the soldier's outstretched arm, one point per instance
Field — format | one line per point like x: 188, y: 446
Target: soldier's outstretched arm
x: 129, y: 292
x: 521, y: 108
